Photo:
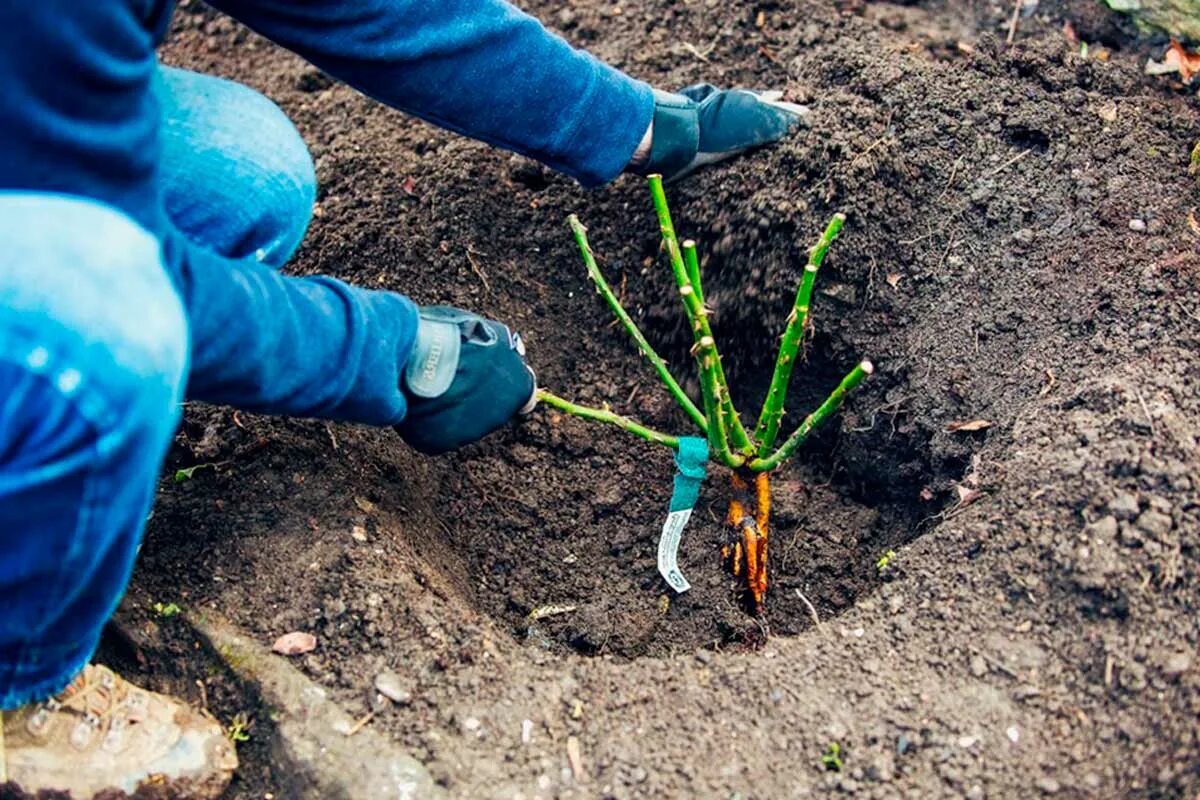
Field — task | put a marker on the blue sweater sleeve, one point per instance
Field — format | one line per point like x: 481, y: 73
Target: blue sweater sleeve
x: 77, y: 116
x: 478, y: 67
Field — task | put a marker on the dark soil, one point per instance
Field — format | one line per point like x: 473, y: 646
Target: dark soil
x: 1018, y: 250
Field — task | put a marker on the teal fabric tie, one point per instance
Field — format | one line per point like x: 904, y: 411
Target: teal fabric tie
x: 691, y: 467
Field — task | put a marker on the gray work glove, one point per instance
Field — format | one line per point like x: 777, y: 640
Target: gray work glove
x: 466, y: 376
x: 702, y: 125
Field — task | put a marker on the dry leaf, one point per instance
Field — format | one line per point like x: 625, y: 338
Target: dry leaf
x: 1069, y: 31
x: 409, y: 186
x: 364, y: 505
x: 966, y: 495
x: 893, y: 279
x: 968, y: 426
x: 295, y: 643
x: 1176, y: 59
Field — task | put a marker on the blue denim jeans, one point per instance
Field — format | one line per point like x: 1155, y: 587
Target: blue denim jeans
x: 93, y: 363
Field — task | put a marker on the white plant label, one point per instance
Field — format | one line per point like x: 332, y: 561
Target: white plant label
x: 668, y: 550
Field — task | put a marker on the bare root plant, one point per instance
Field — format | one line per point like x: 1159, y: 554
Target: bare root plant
x: 751, y: 456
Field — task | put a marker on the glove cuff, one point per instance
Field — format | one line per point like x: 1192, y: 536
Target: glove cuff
x: 676, y: 138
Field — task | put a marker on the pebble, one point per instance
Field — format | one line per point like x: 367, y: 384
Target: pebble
x: 1124, y: 506
x: 704, y: 656
x: 1177, y: 663
x: 967, y: 742
x: 1137, y: 225
x: 471, y: 724
x: 1105, y: 527
x: 1013, y: 734
x: 1133, y: 677
x: 1048, y: 785
x: 975, y: 793
x: 390, y: 686
x: 979, y: 667
x: 1154, y: 523
x: 903, y: 745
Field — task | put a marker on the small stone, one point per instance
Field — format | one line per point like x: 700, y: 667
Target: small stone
x: 526, y: 731
x: 903, y: 745
x: 1154, y: 523
x: 390, y: 686
x: 358, y: 533
x: 967, y: 742
x: 1124, y: 506
x: 471, y: 724
x: 975, y: 792
x: 1177, y: 663
x: 1130, y: 536
x: 1133, y: 677
x: 1013, y: 734
x: 1048, y: 785
x: 1104, y: 528
x: 1137, y: 225
x: 841, y: 292
x: 639, y: 775
x: 979, y: 667
x: 895, y: 603
x: 704, y: 656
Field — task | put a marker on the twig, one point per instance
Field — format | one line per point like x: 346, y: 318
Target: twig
x: 1010, y: 162
x: 1000, y: 665
x: 362, y: 723
x: 813, y: 420
x: 1146, y: 411
x: 660, y: 366
x: 1012, y: 23
x: 332, y: 436
x: 953, y: 175
x: 604, y: 415
x: 479, y: 273
x: 767, y: 429
x: 700, y: 54
x: 812, y: 612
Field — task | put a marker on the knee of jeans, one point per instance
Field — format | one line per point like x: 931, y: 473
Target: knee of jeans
x: 86, y: 301
x: 287, y: 181
x: 236, y: 149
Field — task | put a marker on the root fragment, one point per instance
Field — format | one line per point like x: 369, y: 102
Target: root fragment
x: 747, y: 551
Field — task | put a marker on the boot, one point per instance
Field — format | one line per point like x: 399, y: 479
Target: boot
x: 103, y: 733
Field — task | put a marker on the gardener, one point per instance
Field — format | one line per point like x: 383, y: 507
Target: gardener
x: 144, y: 213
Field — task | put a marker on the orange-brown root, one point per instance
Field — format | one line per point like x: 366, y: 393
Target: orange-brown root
x: 747, y: 552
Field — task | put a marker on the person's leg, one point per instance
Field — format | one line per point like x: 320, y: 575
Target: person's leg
x: 93, y: 358
x: 237, y: 177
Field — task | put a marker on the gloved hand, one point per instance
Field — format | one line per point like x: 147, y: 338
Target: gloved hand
x: 702, y: 125
x: 466, y: 377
